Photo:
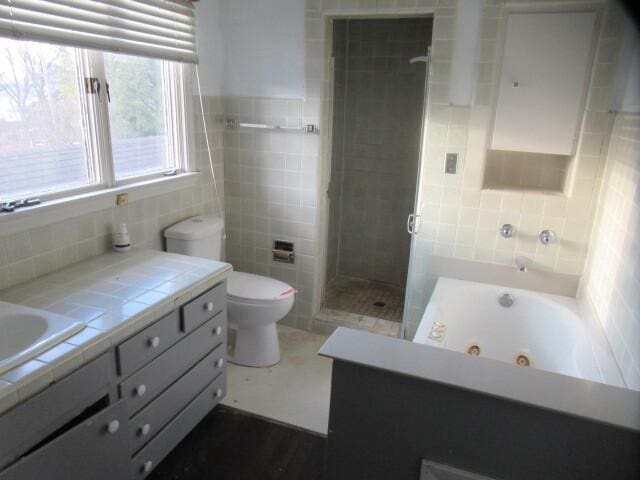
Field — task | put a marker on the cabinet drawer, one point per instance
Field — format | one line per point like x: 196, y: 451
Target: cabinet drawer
x: 150, y: 420
x: 203, y: 307
x: 34, y: 419
x: 147, y: 458
x: 148, y: 344
x: 96, y: 449
x: 144, y: 385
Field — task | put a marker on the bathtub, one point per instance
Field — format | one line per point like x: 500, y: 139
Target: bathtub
x: 522, y: 327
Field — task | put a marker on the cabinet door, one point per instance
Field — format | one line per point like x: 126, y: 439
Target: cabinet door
x: 97, y: 449
x: 543, y: 82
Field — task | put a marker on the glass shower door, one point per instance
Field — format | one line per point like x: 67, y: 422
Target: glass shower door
x: 416, y: 299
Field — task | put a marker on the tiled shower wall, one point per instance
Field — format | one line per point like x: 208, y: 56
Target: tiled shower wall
x: 271, y: 193
x: 381, y: 124
x: 612, y: 278
x: 48, y: 247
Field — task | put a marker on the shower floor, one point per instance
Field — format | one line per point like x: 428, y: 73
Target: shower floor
x: 363, y: 297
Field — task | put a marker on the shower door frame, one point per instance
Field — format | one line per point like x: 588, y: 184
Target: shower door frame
x: 327, y: 139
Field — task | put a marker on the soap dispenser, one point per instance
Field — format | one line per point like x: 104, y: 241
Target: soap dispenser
x: 121, y: 239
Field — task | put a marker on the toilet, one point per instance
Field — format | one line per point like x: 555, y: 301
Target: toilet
x: 254, y: 303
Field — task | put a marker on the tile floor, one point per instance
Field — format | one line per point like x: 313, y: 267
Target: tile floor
x: 351, y: 302
x: 363, y: 297
x: 327, y: 320
x: 294, y: 392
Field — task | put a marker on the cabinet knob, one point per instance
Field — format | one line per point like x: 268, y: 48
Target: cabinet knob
x: 218, y: 393
x: 154, y: 342
x: 147, y: 466
x: 218, y: 331
x: 220, y: 362
x: 209, y: 306
x: 113, y: 426
x: 141, y: 390
x: 145, y: 429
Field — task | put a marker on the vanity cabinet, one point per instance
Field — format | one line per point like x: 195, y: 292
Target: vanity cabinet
x: 119, y: 415
x: 24, y: 426
x: 544, y: 80
x: 95, y: 449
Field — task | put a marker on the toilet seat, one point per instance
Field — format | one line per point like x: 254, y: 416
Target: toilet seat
x: 253, y: 289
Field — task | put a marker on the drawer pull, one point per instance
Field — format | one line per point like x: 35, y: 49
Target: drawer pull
x: 209, y: 306
x: 145, y: 429
x: 147, y: 466
x: 141, y: 390
x: 219, y: 363
x: 218, y: 393
x: 154, y: 342
x: 113, y: 426
x: 218, y: 331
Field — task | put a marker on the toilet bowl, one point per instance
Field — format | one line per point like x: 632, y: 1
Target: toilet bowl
x: 254, y: 303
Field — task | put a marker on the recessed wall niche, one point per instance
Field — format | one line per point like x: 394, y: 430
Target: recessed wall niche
x: 506, y: 170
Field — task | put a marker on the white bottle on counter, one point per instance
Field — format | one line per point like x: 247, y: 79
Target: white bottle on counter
x: 121, y: 239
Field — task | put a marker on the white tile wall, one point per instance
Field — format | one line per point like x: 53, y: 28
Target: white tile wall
x: 49, y: 247
x: 271, y: 194
x: 461, y: 219
x: 612, y: 278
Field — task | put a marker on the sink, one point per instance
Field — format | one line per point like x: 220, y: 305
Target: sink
x: 27, y: 332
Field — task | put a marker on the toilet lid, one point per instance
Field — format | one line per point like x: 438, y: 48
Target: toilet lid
x: 248, y: 286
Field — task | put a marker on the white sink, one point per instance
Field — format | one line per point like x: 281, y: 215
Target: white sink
x: 27, y: 332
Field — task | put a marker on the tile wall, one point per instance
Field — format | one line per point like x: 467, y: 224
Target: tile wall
x: 460, y: 218
x: 382, y: 118
x: 271, y: 194
x: 525, y: 171
x: 612, y: 279
x: 35, y: 252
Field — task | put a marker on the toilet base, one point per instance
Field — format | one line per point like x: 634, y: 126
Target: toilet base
x: 255, y: 346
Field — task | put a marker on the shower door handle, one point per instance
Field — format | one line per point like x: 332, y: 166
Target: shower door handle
x: 413, y: 224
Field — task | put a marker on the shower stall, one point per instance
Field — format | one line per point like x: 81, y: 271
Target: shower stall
x: 379, y: 94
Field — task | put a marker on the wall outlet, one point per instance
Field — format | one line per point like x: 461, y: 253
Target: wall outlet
x: 122, y: 199
x: 451, y: 163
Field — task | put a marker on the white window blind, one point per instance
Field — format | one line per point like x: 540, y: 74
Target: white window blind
x: 152, y: 28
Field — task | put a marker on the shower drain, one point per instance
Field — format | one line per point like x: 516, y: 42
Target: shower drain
x: 523, y: 360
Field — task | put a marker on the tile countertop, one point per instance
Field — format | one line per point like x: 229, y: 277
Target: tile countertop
x: 115, y: 295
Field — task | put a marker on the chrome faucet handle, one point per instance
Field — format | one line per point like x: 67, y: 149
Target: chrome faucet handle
x: 507, y: 230
x: 547, y: 237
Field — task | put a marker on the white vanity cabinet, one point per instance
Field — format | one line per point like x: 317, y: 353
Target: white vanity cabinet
x: 543, y: 82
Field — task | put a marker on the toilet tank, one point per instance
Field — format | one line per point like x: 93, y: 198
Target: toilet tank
x: 197, y: 236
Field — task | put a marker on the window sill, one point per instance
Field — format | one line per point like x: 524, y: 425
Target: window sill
x: 61, y: 209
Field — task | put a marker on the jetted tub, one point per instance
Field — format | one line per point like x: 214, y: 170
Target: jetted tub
x: 521, y: 327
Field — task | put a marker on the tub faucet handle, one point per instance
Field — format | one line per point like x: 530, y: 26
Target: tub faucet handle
x: 547, y: 237
x: 507, y: 230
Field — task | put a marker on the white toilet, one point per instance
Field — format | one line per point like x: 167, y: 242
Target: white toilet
x: 254, y: 303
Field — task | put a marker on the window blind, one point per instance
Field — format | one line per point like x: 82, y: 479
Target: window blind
x: 152, y: 28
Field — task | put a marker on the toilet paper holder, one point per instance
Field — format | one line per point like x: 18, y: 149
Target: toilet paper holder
x: 283, y: 252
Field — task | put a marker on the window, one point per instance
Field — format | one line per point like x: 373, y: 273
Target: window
x: 73, y: 120
x: 137, y: 115
x: 42, y: 141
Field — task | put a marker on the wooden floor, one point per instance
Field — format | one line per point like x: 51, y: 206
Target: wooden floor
x: 235, y: 446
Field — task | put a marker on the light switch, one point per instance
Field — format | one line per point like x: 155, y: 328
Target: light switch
x: 451, y: 163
